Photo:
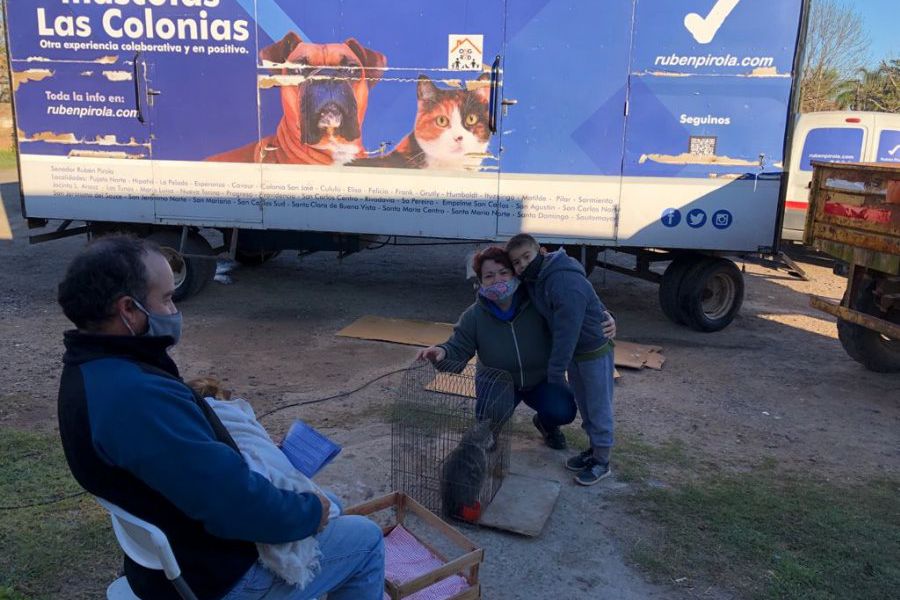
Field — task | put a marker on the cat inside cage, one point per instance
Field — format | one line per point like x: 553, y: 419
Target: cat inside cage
x: 450, y: 436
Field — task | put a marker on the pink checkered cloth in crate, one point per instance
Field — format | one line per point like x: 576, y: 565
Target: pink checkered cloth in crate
x: 405, y: 558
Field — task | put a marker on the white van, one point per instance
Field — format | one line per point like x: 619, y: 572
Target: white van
x: 834, y: 136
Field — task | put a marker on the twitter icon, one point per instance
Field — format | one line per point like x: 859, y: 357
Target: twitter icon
x: 696, y: 218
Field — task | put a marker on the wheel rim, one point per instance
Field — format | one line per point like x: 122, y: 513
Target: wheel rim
x: 718, y: 296
x: 177, y: 264
x: 890, y: 344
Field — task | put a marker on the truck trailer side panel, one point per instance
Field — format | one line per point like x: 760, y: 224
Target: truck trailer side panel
x: 638, y: 123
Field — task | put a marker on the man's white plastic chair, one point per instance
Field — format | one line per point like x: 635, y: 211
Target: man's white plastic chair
x: 146, y: 545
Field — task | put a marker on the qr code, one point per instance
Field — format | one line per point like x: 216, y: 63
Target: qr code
x: 703, y: 145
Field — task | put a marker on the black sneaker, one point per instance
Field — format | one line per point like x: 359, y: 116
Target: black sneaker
x: 580, y: 462
x: 553, y: 436
x: 594, y: 473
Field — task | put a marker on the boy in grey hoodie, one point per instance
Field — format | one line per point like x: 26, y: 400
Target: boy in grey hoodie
x: 560, y: 291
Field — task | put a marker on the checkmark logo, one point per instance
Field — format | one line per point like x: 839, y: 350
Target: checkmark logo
x: 704, y: 29
x: 895, y: 150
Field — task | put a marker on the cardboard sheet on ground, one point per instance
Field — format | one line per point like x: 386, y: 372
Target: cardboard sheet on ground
x: 399, y: 331
x: 446, y: 383
x: 638, y: 356
x: 522, y: 505
x: 427, y: 333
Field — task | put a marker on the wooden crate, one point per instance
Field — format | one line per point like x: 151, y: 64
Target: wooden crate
x: 466, y: 565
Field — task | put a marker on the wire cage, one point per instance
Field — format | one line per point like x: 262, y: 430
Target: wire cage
x: 450, y: 436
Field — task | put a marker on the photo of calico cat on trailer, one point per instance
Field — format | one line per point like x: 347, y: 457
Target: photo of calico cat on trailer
x: 450, y: 131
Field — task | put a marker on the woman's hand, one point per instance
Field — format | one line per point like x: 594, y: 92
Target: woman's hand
x: 609, y: 326
x: 435, y: 354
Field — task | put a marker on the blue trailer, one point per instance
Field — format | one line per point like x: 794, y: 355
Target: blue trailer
x: 651, y: 127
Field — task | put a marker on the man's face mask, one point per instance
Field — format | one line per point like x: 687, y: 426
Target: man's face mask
x: 159, y: 325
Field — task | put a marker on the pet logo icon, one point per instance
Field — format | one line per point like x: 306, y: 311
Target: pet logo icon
x: 704, y: 29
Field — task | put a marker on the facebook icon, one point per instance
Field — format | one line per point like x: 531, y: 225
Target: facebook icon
x: 671, y: 217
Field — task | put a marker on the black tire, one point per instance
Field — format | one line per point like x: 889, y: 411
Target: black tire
x: 255, y: 258
x: 670, y: 286
x: 867, y: 347
x: 191, y: 274
x: 711, y: 294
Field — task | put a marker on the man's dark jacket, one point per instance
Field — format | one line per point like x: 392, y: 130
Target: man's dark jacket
x: 136, y: 435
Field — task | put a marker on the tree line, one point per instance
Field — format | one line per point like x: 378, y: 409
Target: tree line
x: 835, y: 75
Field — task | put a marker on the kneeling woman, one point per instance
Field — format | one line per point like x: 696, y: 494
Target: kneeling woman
x: 508, y: 333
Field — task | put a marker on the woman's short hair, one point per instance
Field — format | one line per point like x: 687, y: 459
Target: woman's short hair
x: 107, y: 269
x: 494, y: 253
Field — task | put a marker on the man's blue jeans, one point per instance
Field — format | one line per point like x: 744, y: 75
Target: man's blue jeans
x: 352, y: 567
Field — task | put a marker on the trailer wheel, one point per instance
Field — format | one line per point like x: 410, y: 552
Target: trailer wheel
x: 191, y: 273
x: 255, y: 258
x: 871, y: 349
x: 711, y: 294
x: 671, y: 284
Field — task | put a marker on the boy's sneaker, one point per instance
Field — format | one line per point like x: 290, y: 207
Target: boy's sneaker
x: 553, y: 436
x: 593, y: 473
x: 580, y: 462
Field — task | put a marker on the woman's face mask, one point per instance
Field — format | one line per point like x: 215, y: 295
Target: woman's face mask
x: 499, y: 291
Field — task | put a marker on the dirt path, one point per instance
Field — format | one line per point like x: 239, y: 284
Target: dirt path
x: 776, y: 384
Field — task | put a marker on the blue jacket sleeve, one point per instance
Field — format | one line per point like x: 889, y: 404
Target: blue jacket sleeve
x: 162, y: 437
x: 568, y: 304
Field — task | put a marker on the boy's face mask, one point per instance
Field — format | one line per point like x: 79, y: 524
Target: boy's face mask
x: 532, y: 271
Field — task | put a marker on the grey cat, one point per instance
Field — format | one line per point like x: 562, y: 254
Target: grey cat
x: 464, y: 471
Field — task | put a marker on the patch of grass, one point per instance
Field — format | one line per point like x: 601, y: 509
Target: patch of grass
x: 767, y: 535
x: 633, y: 459
x: 763, y: 534
x: 64, y: 549
x: 8, y: 160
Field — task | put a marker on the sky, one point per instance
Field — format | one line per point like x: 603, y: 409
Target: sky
x: 881, y: 19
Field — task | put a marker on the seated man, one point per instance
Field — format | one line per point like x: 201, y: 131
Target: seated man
x: 135, y: 434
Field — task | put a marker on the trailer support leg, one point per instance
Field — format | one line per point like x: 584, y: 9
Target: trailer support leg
x: 184, y: 235
x: 232, y: 247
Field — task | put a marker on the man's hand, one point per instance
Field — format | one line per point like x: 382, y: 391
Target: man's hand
x: 326, y: 508
x: 609, y: 326
x: 435, y: 354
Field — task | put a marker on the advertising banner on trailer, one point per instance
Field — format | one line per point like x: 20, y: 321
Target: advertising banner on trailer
x: 639, y: 123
